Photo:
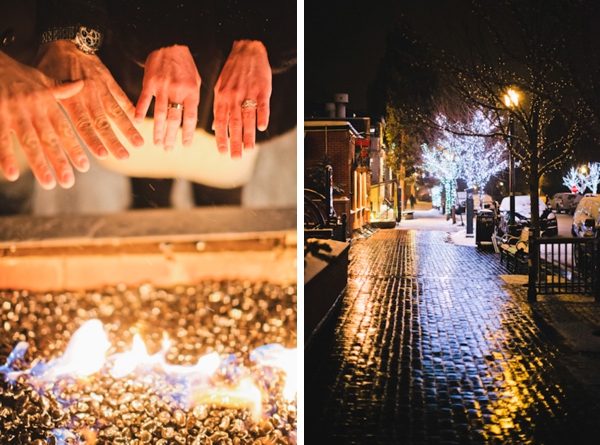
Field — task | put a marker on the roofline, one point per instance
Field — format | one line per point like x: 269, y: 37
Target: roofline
x: 327, y: 123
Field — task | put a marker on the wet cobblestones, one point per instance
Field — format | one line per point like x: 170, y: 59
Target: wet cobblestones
x: 429, y: 346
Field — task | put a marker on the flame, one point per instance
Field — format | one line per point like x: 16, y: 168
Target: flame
x: 245, y: 395
x: 85, y: 353
x: 280, y: 357
x: 127, y: 362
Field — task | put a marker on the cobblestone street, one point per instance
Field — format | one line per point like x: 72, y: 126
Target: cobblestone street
x: 430, y: 345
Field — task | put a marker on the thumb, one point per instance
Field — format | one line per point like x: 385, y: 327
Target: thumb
x: 64, y: 90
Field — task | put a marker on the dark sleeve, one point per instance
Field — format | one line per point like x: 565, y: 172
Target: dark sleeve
x: 61, y: 13
x: 273, y: 22
x: 206, y: 27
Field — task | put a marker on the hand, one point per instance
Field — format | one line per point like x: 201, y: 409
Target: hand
x: 171, y: 76
x: 28, y: 107
x: 245, y: 76
x: 101, y: 98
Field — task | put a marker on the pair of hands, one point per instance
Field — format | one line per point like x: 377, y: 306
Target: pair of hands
x: 28, y: 100
x: 172, y: 78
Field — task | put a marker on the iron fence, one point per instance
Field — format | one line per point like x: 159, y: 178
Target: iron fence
x: 564, y: 266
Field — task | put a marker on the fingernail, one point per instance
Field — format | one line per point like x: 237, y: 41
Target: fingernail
x: 222, y: 149
x: 168, y: 148
x: 187, y: 143
x: 68, y: 179
x: 236, y: 155
x: 102, y: 152
x: 123, y: 154
x: 84, y: 164
x: 158, y: 142
x: 138, y: 141
x: 12, y: 174
x: 49, y: 181
x: 262, y: 127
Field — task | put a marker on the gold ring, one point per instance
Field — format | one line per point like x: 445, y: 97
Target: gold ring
x: 177, y: 106
x: 248, y: 103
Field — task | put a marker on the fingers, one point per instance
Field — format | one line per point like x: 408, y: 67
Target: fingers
x: 263, y: 111
x: 236, y: 131
x: 84, y: 126
x: 32, y: 148
x: 119, y: 95
x: 235, y: 125
x: 249, y: 123
x: 119, y: 116
x: 160, y: 117
x: 221, y: 112
x: 102, y: 127
x: 190, y: 119
x: 143, y: 104
x: 51, y: 148
x: 174, y: 115
x: 69, y: 142
x: 8, y: 162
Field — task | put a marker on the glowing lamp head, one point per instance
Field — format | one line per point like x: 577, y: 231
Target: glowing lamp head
x: 511, y: 98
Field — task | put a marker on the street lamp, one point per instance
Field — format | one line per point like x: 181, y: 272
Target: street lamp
x: 511, y: 100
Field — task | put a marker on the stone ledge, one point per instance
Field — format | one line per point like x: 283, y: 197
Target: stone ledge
x: 325, y: 278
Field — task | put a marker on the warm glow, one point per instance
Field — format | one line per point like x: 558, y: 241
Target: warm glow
x: 85, y: 353
x: 199, y: 383
x: 207, y: 365
x: 128, y: 361
x: 511, y: 98
x: 280, y: 357
x: 245, y: 395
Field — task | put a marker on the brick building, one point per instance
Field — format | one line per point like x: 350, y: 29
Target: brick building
x: 342, y: 139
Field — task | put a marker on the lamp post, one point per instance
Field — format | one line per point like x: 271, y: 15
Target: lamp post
x: 511, y: 100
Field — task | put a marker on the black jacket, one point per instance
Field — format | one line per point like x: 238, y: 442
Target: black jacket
x: 134, y: 28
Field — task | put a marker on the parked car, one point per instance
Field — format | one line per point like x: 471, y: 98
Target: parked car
x: 586, y: 219
x: 575, y: 203
x: 562, y: 202
x: 548, y: 223
x: 461, y: 203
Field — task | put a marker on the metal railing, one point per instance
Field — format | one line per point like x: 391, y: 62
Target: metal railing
x: 564, y: 266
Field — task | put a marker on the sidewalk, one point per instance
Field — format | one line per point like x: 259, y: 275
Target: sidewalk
x: 427, y: 218
x: 434, y: 342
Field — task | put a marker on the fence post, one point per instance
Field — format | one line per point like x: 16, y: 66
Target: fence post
x: 596, y: 272
x: 533, y: 261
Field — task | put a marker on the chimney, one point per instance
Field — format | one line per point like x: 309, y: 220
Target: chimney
x: 330, y: 109
x: 340, y: 99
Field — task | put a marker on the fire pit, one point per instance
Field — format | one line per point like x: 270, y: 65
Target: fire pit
x: 193, y: 359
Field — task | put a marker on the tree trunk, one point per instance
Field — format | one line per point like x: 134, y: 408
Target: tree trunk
x: 534, y: 180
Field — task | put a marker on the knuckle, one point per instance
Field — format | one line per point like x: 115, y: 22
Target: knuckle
x: 29, y: 141
x: 102, y: 124
x: 39, y: 165
x: 82, y: 123
x: 50, y: 139
x: 60, y: 165
x: 115, y: 111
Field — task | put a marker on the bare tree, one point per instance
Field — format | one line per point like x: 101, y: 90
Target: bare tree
x: 514, y: 44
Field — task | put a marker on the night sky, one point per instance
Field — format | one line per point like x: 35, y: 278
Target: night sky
x: 343, y: 46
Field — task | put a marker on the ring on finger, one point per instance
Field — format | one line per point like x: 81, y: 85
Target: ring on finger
x: 248, y: 103
x: 176, y: 106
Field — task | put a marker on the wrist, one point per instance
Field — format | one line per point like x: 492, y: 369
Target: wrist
x: 249, y: 45
x: 85, y: 39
